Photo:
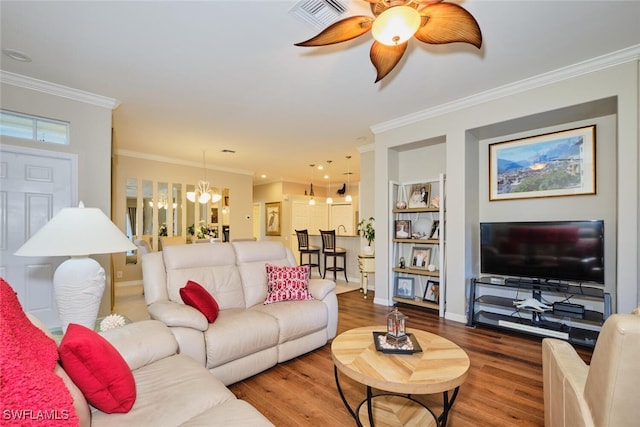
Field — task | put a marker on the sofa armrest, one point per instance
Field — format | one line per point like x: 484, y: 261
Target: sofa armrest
x: 564, y: 377
x: 320, y: 288
x: 174, y: 314
x: 142, y: 343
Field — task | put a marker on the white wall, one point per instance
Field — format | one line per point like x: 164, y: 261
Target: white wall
x: 90, y: 139
x: 239, y: 185
x: 466, y: 131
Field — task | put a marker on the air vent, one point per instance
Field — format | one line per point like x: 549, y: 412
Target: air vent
x: 319, y: 13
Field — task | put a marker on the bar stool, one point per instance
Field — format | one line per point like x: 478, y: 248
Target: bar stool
x: 305, y: 248
x: 329, y: 249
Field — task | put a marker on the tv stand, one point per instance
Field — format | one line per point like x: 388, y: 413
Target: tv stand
x: 492, y: 300
x: 521, y: 281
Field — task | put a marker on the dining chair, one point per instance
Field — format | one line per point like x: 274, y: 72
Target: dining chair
x: 330, y: 250
x: 305, y: 248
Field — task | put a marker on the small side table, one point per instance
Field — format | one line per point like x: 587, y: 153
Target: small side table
x: 367, y: 264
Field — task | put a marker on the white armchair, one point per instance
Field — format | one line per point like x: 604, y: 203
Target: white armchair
x: 605, y: 393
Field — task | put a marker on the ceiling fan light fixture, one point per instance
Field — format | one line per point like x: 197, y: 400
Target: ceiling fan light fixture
x: 396, y: 25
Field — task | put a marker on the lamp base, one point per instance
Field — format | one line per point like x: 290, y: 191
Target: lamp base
x: 78, y: 284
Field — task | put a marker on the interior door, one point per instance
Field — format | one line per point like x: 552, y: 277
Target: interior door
x: 34, y: 186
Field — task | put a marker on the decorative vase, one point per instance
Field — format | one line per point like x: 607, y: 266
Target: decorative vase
x: 401, y: 204
x: 368, y: 250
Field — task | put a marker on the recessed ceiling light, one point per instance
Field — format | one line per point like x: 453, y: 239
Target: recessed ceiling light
x: 263, y: 176
x: 17, y: 55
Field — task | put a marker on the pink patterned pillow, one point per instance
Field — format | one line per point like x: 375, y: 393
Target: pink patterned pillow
x: 287, y: 283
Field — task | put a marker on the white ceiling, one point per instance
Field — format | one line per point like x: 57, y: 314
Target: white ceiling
x: 214, y: 75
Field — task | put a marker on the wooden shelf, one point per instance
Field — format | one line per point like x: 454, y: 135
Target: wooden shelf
x: 418, y: 241
x: 413, y: 210
x: 418, y: 271
x: 425, y: 304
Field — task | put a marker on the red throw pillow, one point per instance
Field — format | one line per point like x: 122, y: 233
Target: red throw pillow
x: 287, y: 283
x: 98, y: 369
x: 29, y: 386
x: 194, y: 295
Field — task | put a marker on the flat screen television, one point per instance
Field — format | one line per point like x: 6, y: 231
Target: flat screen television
x: 550, y: 250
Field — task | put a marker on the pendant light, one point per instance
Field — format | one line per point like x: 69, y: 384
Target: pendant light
x: 329, y: 198
x: 312, y: 200
x: 348, y: 196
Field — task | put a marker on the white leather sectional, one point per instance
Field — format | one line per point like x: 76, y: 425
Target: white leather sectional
x: 248, y: 337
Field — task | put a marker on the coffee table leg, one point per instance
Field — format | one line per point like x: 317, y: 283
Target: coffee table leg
x: 344, y: 399
x: 442, y: 419
x: 369, y: 406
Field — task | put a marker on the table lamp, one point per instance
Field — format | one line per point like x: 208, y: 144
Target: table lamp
x: 78, y: 282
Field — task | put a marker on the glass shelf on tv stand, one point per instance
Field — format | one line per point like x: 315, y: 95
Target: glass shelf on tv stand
x: 588, y: 290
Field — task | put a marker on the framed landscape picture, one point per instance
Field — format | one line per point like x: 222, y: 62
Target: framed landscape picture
x: 404, y: 287
x: 550, y: 165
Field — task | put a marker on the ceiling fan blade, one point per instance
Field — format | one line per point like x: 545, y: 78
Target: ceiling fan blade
x: 384, y: 57
x: 449, y: 23
x: 343, y: 30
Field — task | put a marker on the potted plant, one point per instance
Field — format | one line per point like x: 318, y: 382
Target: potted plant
x: 368, y: 232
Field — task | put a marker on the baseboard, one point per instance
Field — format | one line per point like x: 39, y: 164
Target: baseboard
x: 455, y: 317
x: 128, y: 283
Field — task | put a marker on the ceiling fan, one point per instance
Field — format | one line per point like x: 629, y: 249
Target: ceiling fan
x: 395, y: 22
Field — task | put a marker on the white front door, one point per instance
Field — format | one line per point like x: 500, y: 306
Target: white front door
x: 34, y: 186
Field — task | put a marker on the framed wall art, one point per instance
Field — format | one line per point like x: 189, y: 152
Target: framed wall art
x: 404, y: 287
x: 419, y: 195
x: 403, y: 229
x: 420, y: 257
x: 431, y: 291
x: 272, y: 218
x: 433, y: 234
x: 555, y: 164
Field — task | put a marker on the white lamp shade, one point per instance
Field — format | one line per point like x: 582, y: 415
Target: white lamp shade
x: 396, y: 25
x: 204, y: 198
x: 77, y: 232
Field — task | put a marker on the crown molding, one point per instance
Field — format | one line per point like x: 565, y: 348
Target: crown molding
x: 174, y: 161
x: 57, y: 90
x: 366, y: 148
x: 609, y: 60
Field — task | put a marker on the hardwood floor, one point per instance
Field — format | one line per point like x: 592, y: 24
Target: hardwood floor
x: 503, y: 388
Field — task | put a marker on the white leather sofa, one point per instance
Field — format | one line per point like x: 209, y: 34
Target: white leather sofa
x: 605, y: 393
x: 171, y: 389
x: 248, y: 337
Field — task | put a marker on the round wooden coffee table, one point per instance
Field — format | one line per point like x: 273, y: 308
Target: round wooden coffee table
x: 442, y: 366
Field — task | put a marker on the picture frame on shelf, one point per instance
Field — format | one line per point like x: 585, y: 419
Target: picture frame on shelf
x: 431, y: 291
x: 419, y: 196
x: 435, y: 228
x: 272, y: 218
x: 549, y: 165
x: 404, y: 287
x: 420, y: 257
x: 403, y: 229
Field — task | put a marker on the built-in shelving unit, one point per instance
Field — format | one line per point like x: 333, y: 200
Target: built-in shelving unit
x: 425, y: 236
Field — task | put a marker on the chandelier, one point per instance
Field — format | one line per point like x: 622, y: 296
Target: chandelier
x: 395, y: 22
x: 204, y: 193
